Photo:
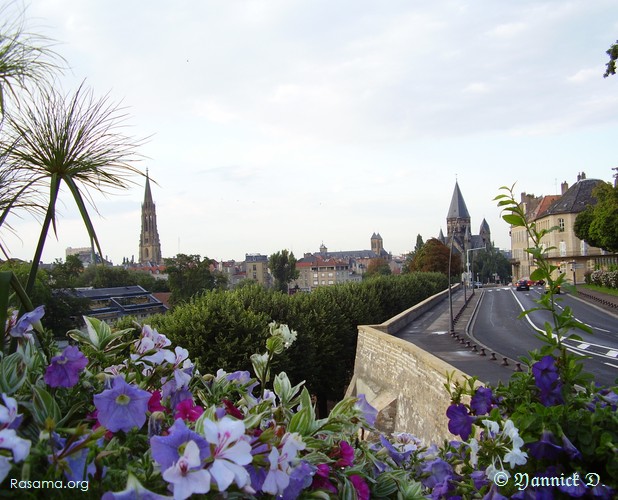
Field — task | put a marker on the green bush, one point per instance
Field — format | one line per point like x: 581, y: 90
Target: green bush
x: 221, y: 329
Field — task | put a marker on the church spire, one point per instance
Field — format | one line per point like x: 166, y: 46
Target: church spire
x: 149, y: 244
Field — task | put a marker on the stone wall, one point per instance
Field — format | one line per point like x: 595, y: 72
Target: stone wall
x: 404, y: 383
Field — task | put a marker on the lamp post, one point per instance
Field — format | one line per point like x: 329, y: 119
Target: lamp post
x: 468, y: 263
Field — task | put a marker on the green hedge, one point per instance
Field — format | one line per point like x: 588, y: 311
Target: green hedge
x: 221, y: 329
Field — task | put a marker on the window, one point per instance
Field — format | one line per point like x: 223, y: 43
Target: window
x: 563, y: 249
x: 583, y: 247
x: 561, y: 225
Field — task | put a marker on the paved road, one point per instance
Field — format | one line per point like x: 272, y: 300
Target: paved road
x: 496, y: 325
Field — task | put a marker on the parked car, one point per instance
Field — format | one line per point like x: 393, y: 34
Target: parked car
x: 540, y: 282
x: 522, y: 284
x: 478, y: 284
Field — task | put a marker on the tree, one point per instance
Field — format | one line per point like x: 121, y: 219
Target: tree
x: 282, y: 266
x: 66, y: 274
x: 612, y: 52
x: 598, y: 224
x: 378, y: 267
x: 491, y: 263
x: 189, y: 275
x: 410, y: 256
x: 434, y: 257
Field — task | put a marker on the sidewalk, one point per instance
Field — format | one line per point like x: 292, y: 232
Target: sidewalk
x: 431, y: 333
x: 603, y: 300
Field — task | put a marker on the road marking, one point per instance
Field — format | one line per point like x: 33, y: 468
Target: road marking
x: 583, y: 346
x: 612, y: 353
x: 610, y: 364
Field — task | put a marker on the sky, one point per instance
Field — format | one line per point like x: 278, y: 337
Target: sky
x: 285, y: 124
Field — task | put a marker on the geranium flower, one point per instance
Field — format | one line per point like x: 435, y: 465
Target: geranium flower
x: 460, y: 422
x: 321, y: 479
x: 361, y: 487
x: 278, y: 479
x: 344, y: 455
x: 188, y: 410
x: 230, y: 452
x: 123, y: 407
x: 186, y: 475
x: 167, y: 449
x: 64, y: 369
x: 154, y: 403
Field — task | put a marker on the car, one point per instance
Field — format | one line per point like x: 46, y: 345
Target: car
x: 540, y: 282
x: 478, y: 284
x: 522, y: 284
x: 556, y: 288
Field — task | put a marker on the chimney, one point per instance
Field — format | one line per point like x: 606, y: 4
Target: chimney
x: 583, y: 176
x: 564, y: 187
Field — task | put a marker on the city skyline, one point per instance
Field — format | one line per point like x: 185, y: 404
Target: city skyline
x: 279, y: 125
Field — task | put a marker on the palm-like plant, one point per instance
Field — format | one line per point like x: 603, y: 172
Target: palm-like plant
x: 75, y: 140
x: 25, y: 58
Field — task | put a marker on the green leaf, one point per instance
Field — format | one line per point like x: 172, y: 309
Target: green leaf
x: 301, y: 422
x: 13, y: 372
x: 45, y: 410
x: 514, y: 220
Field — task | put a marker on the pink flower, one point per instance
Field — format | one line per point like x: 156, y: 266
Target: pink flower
x: 345, y: 455
x: 361, y: 487
x: 154, y: 403
x: 187, y: 410
x: 321, y: 480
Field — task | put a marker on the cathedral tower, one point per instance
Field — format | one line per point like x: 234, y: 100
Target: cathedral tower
x: 149, y: 244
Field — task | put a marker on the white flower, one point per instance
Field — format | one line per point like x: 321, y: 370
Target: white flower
x: 8, y: 411
x: 492, y: 427
x: 186, y: 476
x: 516, y: 457
x: 231, y: 452
x: 474, y: 450
x: 491, y: 471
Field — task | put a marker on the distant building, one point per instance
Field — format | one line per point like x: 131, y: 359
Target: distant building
x: 87, y: 256
x: 256, y: 268
x: 459, y: 235
x: 149, y: 243
x: 572, y: 256
x: 111, y: 304
x: 315, y: 271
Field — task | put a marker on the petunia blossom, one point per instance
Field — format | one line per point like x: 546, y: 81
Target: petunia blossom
x: 133, y: 490
x: 167, y: 449
x: 19, y: 447
x: 361, y: 487
x: 64, y: 369
x: 123, y: 407
x: 369, y: 412
x: 460, y: 422
x: 187, y: 475
x: 231, y: 452
x: 8, y: 413
x: 482, y: 401
x: 21, y: 328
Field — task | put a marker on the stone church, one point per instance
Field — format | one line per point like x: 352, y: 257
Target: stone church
x: 458, y: 231
x: 149, y: 243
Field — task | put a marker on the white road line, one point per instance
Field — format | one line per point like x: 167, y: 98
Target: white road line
x: 610, y: 364
x: 583, y: 346
x: 612, y: 353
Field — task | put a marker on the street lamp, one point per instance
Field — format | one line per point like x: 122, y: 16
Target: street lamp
x: 468, y: 262
x: 450, y: 295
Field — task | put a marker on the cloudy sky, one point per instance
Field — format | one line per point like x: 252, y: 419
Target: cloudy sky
x: 283, y: 124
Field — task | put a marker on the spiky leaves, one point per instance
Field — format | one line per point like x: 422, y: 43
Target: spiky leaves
x: 73, y: 139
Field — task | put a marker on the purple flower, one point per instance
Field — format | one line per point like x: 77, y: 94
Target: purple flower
x: 569, y: 448
x: 482, y: 401
x: 439, y: 472
x: 64, y: 369
x: 369, y: 412
x: 546, y: 448
x: 460, y: 422
x: 166, y: 450
x: 23, y: 326
x: 300, y: 478
x: 545, y: 373
x: 361, y: 487
x: 479, y: 479
x: 397, y: 456
x: 122, y: 407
